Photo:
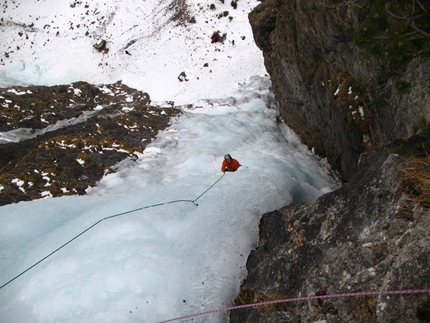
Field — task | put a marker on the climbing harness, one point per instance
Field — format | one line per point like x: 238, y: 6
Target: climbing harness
x: 107, y: 218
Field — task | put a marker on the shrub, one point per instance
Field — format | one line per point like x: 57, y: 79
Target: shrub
x: 395, y: 30
x: 223, y: 14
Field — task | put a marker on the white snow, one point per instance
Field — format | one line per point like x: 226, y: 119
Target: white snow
x: 80, y: 161
x: 54, y: 50
x: 19, y: 134
x: 155, y: 263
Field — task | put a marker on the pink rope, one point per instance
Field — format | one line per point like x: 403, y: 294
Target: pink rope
x: 306, y: 298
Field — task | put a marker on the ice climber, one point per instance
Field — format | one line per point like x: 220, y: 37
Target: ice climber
x: 229, y: 164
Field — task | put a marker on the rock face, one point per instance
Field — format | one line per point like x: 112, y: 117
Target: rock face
x: 60, y: 140
x: 366, y: 236
x: 338, y: 98
x: 359, y: 108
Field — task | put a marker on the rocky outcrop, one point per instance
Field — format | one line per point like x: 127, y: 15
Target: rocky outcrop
x: 366, y: 236
x: 359, y: 101
x: 340, y: 99
x: 60, y: 140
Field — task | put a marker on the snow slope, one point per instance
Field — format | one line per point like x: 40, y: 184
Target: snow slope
x: 51, y: 42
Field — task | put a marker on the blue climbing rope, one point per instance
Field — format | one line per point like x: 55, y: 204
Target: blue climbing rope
x: 195, y: 201
x: 108, y: 218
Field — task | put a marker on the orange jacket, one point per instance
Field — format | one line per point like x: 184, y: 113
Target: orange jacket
x: 231, y: 166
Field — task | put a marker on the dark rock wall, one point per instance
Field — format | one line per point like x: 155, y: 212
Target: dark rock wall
x: 366, y: 236
x: 339, y: 100
x: 352, y: 108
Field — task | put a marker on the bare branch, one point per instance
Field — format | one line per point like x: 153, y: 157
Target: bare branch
x: 414, y: 26
x: 393, y: 15
x: 421, y: 6
x: 357, y: 3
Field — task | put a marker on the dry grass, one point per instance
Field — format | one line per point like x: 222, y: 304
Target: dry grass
x: 247, y: 296
x: 416, y: 176
x: 299, y: 239
x: 365, y: 310
x: 268, y: 309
